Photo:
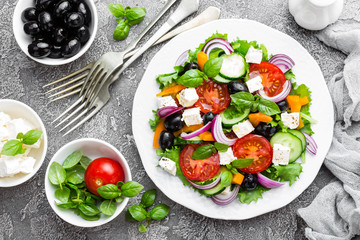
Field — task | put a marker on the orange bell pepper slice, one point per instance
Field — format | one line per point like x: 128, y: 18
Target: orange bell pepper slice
x: 202, y: 59
x: 237, y: 179
x: 171, y: 90
x: 256, y: 118
x: 206, y: 136
x: 160, y: 127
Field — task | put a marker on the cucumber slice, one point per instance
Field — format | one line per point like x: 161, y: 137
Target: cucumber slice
x: 220, y: 79
x: 300, y: 135
x: 233, y: 66
x: 232, y: 116
x: 218, y: 188
x: 288, y: 140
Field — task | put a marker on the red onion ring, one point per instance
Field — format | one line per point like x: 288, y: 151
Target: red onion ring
x: 225, y: 200
x: 182, y: 58
x: 218, y: 134
x: 281, y: 96
x: 311, y: 144
x: 187, y: 136
x: 208, y: 186
x: 282, y: 61
x: 267, y: 182
x: 217, y: 43
x: 167, y: 111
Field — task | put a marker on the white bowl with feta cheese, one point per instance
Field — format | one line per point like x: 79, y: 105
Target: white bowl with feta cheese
x: 16, y: 117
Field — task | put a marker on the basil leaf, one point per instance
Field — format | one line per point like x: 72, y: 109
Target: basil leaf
x: 116, y: 9
x: 75, y: 175
x: 221, y: 147
x: 72, y: 159
x: 142, y: 228
x: 212, y: 67
x: 119, y: 199
x: 159, y: 212
x: 62, y: 194
x: 32, y: 136
x: 242, y: 163
x: 191, y: 78
x: 203, y: 152
x: 12, y: 148
x: 109, y: 191
x: 137, y: 212
x: 131, y: 188
x: 67, y: 205
x: 148, y: 198
x: 121, y: 30
x: 20, y: 136
x: 89, y: 218
x: 128, y: 216
x: 89, y: 200
x: 268, y: 107
x: 135, y: 15
x: 242, y: 100
x: 226, y: 178
x: 85, y: 162
x: 119, y: 184
x: 108, y: 207
x: 57, y: 174
x: 88, y: 210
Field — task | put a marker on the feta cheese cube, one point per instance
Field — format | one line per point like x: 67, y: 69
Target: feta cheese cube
x: 226, y: 157
x: 167, y: 101
x: 253, y: 55
x: 192, y: 116
x: 254, y: 84
x: 168, y: 165
x: 281, y: 154
x: 227, y: 191
x: 4, y: 134
x: 11, y: 165
x: 18, y: 125
x: 4, y: 118
x: 27, y: 164
x: 187, y: 97
x: 243, y: 128
x: 291, y: 120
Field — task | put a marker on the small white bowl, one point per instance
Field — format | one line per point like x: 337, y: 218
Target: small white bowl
x: 18, y: 109
x: 92, y: 148
x: 24, y: 40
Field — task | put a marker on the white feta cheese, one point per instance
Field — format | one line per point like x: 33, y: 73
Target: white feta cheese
x: 281, y: 154
x: 192, y: 116
x: 187, y: 97
x: 167, y: 101
x: 226, y: 157
x: 168, y: 165
x: 27, y: 165
x: 226, y: 191
x: 4, y: 134
x: 254, y: 84
x: 16, y: 126
x: 11, y: 165
x: 243, y: 128
x: 291, y: 120
x: 4, y: 118
x: 253, y: 55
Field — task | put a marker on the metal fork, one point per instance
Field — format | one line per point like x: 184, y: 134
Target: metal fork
x: 95, y: 91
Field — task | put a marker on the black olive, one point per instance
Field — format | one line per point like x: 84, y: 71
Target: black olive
x: 189, y: 66
x: 84, y: 9
x: 265, y: 130
x: 62, y: 8
x: 71, y: 47
x: 208, y: 117
x: 29, y: 14
x: 166, y: 140
x: 173, y: 122
x: 83, y: 34
x: 41, y: 37
x: 74, y: 20
x: 45, y: 21
x: 250, y: 181
x: 43, y: 4
x: 75, y: 2
x: 236, y: 86
x: 59, y: 36
x: 283, y: 105
x: 32, y: 28
x: 39, y: 49
x: 55, y: 52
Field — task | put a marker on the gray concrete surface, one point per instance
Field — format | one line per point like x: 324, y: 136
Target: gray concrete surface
x: 24, y: 210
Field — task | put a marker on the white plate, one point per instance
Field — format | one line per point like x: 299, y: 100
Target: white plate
x: 306, y: 70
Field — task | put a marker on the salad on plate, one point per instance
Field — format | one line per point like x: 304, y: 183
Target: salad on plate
x: 232, y: 121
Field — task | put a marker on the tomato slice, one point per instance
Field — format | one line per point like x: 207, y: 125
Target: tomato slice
x: 213, y: 97
x: 198, y: 170
x: 256, y: 147
x: 273, y: 78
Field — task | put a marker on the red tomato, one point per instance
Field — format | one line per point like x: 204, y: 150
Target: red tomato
x: 198, y: 170
x: 102, y: 171
x: 273, y: 78
x: 213, y: 97
x: 256, y: 147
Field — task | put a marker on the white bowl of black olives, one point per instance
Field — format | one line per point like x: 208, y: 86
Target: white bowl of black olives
x: 55, y: 32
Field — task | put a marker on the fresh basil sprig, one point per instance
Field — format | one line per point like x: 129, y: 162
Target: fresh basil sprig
x: 238, y: 164
x: 212, y: 67
x: 15, y: 146
x: 192, y: 78
x: 204, y: 152
x: 221, y: 147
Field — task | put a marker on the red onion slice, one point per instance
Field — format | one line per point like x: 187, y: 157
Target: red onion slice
x: 218, y: 134
x: 282, y: 61
x: 217, y: 43
x: 267, y: 182
x: 281, y: 96
x: 182, y: 58
x: 167, y: 111
x: 208, y: 186
x: 187, y: 136
x: 311, y: 144
x: 226, y: 199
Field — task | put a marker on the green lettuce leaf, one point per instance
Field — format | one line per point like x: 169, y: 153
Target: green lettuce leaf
x: 166, y: 80
x: 154, y: 122
x: 288, y: 172
x: 246, y: 196
x: 289, y: 75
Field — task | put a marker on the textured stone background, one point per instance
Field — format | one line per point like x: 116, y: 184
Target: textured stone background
x: 24, y: 210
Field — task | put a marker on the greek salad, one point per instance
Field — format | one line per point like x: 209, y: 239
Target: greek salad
x: 232, y: 121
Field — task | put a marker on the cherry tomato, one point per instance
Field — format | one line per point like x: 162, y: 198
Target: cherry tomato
x: 256, y: 147
x: 102, y: 171
x: 198, y: 170
x: 273, y: 78
x: 213, y: 97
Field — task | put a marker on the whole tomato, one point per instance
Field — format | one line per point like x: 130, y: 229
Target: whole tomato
x: 102, y: 171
